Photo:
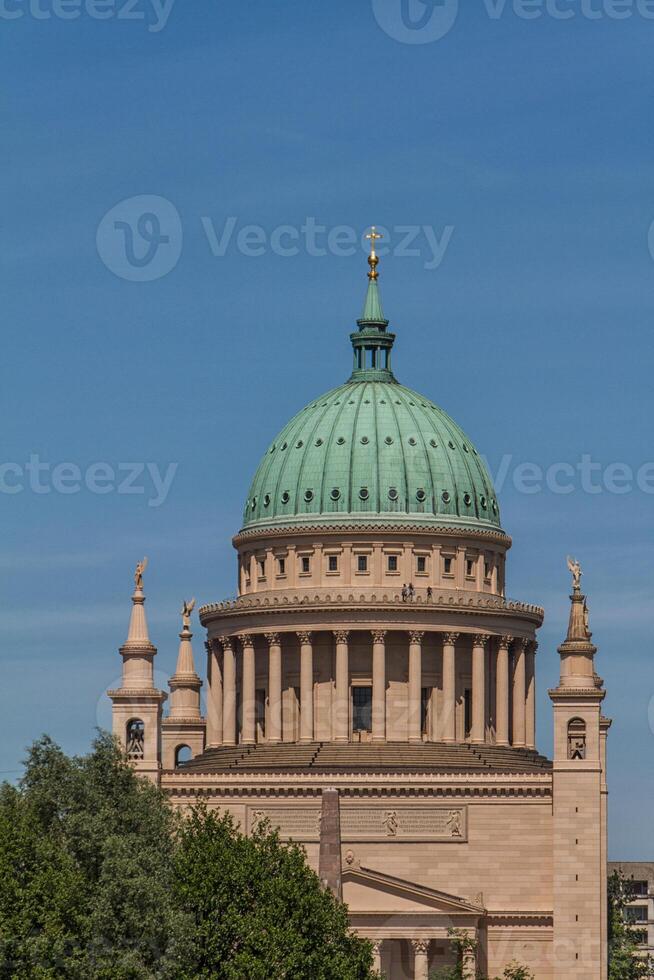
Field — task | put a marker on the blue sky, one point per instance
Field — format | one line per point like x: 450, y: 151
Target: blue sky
x: 525, y: 148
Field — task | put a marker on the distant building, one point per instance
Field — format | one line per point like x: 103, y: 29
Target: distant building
x: 640, y: 912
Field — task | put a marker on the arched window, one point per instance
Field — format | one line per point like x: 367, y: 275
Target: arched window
x: 183, y: 754
x: 135, y: 740
x: 576, y: 738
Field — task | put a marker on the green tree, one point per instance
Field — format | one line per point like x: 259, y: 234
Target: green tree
x: 625, y: 961
x: 101, y: 880
x: 86, y: 861
x: 255, y: 909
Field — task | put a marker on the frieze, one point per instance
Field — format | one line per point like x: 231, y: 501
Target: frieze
x: 367, y: 823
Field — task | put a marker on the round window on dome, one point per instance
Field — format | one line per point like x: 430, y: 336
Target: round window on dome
x: 388, y: 440
x: 467, y: 499
x: 451, y: 445
x: 483, y: 502
x: 412, y: 441
x: 266, y: 500
x: 284, y: 446
x: 465, y: 448
x: 335, y: 494
x: 445, y: 496
x: 421, y: 496
x: 364, y: 493
x: 254, y: 503
x: 364, y: 440
x: 318, y: 442
x: 340, y: 441
x: 272, y: 448
x: 308, y: 496
x: 494, y: 507
x: 393, y: 494
x: 433, y: 444
x: 299, y: 444
x: 286, y: 497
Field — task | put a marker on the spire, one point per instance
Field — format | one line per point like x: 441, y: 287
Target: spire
x: 137, y: 634
x: 372, y: 344
x: 185, y: 684
x: 577, y: 651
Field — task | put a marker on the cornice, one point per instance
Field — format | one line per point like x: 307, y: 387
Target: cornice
x: 532, y: 787
x: 496, y: 535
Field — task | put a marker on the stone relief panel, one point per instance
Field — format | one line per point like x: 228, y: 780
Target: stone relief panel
x: 421, y: 822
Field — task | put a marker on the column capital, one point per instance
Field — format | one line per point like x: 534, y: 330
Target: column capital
x: 341, y: 636
x: 480, y: 639
x: 246, y: 639
x: 449, y: 639
x: 505, y: 641
x: 519, y: 644
x: 532, y: 646
x: 304, y: 636
x: 415, y: 636
x: 272, y: 639
x: 379, y: 636
x: 226, y: 642
x: 420, y: 946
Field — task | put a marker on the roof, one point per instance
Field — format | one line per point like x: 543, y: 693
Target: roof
x: 396, y: 757
x: 371, y: 448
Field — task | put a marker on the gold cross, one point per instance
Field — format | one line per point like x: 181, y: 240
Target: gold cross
x: 372, y: 237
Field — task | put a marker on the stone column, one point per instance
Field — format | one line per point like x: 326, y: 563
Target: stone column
x: 214, y: 695
x: 530, y: 699
x: 420, y: 959
x: 376, y: 955
x: 478, y: 731
x: 470, y: 960
x: 519, y: 693
x: 341, y: 716
x: 248, y: 694
x: 274, y: 730
x: 379, y: 685
x: 306, y: 687
x: 448, y: 713
x: 229, y: 691
x: 415, y: 685
x: 502, y: 691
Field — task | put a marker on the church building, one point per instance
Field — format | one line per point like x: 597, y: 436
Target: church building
x: 371, y: 691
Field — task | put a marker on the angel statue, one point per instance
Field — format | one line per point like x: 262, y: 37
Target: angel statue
x: 187, y: 609
x: 575, y: 571
x: 138, y: 574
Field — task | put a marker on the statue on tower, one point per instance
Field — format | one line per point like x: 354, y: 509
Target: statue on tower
x: 187, y: 609
x: 138, y: 574
x: 575, y: 571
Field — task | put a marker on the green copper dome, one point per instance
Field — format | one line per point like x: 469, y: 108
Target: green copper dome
x: 372, y: 451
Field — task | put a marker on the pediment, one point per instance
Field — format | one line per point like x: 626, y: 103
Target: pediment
x: 365, y: 890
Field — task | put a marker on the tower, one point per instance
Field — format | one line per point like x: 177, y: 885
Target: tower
x: 183, y: 729
x: 137, y: 704
x: 579, y: 794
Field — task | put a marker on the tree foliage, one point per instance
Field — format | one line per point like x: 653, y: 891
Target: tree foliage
x: 625, y: 960
x: 102, y: 881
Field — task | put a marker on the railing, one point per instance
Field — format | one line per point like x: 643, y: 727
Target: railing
x: 455, y: 599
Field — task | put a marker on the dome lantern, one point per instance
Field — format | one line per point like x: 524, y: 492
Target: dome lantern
x: 372, y: 344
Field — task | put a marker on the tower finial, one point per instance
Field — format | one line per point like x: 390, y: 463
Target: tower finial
x: 373, y: 260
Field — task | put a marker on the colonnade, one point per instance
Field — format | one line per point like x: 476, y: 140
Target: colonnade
x: 513, y: 709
